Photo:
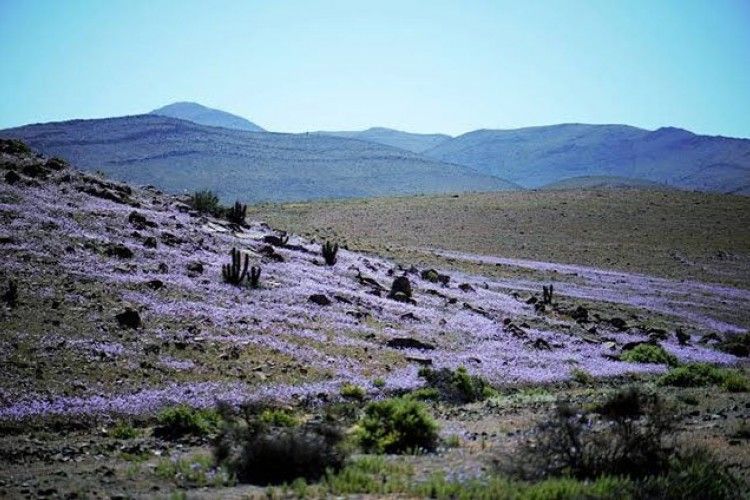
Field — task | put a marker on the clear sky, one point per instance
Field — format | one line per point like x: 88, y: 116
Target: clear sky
x: 427, y: 66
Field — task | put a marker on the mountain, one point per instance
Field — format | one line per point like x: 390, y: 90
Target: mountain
x: 178, y: 155
x: 536, y: 156
x: 416, y: 143
x: 202, y: 115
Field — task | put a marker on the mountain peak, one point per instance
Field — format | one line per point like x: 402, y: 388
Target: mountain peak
x: 197, y: 113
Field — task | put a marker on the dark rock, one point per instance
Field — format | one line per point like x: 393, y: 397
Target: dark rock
x: 319, y: 299
x: 581, y: 314
x: 401, y: 297
x: 150, y: 242
x: 277, y: 241
x: 11, y: 177
x: 170, y: 239
x: 364, y: 280
x: 195, y: 269
x: 139, y: 221
x: 619, y: 323
x: 56, y: 164
x: 682, y: 337
x: 409, y: 343
x: 409, y: 316
x: 465, y: 287
x: 401, y: 285
x: 129, y: 319
x: 269, y: 252
x: 162, y: 268
x: 155, y: 284
x: 35, y: 171
x: 341, y: 298
x: 540, y: 343
x: 120, y: 251
x: 430, y: 275
x: 421, y: 361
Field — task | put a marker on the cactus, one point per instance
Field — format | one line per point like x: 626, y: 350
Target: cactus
x: 235, y: 272
x: 329, y: 252
x: 547, y: 294
x: 254, y: 276
x: 237, y: 213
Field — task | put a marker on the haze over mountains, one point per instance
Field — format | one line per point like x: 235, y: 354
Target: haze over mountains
x: 186, y: 146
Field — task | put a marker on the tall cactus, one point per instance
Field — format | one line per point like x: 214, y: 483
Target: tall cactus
x: 237, y: 213
x: 254, y: 276
x: 547, y: 294
x: 235, y: 272
x: 329, y: 252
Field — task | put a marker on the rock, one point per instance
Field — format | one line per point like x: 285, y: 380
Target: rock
x: 155, y: 284
x: 401, y: 285
x: 364, y: 280
x: 35, y: 171
x: 277, y: 241
x: 465, y: 287
x: 619, y: 323
x: 170, y: 239
x: 409, y: 343
x: 56, y: 164
x: 162, y: 268
x: 581, y: 314
x: 409, y: 316
x: 11, y: 177
x: 150, y: 242
x: 129, y: 319
x: 194, y: 269
x: 120, y: 251
x: 341, y: 298
x: 540, y: 343
x: 319, y: 299
x: 682, y: 337
x: 421, y: 361
x: 401, y: 297
x: 269, y: 252
x: 139, y: 221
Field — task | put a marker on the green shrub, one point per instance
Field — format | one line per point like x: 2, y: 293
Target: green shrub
x: 692, y: 475
x: 278, y: 418
x: 378, y: 383
x: 581, y: 376
x: 352, y: 391
x: 123, y: 430
x: 397, y: 425
x: 266, y: 451
x: 649, y: 353
x: 457, y: 386
x: 183, y: 420
x: 703, y: 374
x: 205, y: 202
x: 424, y: 394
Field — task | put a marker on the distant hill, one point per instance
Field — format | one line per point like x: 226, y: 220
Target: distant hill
x: 603, y: 182
x: 416, y: 143
x: 202, y: 115
x: 536, y: 156
x: 178, y: 155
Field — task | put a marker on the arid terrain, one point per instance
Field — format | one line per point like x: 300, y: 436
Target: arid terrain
x: 121, y: 312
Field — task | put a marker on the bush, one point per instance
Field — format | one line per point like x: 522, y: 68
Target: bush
x: 278, y: 418
x: 397, y: 425
x: 263, y: 453
x: 424, y: 394
x: 457, y: 386
x: 737, y: 345
x: 581, y: 376
x: 124, y: 430
x: 649, y: 353
x: 703, y: 374
x: 352, y: 391
x: 694, y: 474
x: 624, y: 436
x: 183, y: 420
x: 205, y: 202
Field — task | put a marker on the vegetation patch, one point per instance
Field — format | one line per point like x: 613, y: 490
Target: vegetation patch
x: 649, y: 353
x: 398, y: 425
x: 457, y: 386
x: 182, y: 420
x: 704, y: 374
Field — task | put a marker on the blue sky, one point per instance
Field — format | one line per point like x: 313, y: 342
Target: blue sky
x: 429, y: 66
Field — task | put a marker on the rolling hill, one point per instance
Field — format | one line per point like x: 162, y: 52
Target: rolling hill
x: 202, y: 115
x: 178, y: 155
x: 416, y: 143
x: 536, y: 156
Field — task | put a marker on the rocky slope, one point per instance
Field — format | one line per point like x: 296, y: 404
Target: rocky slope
x: 202, y: 115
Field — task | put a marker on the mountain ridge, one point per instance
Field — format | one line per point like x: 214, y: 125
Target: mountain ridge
x: 203, y: 115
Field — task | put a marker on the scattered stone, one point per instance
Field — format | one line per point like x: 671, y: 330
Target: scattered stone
x: 194, y: 269
x: 319, y: 299
x: 540, y: 343
x: 11, y: 177
x: 170, y: 239
x: 409, y: 343
x: 56, y: 164
x: 120, y: 251
x: 35, y: 171
x: 162, y: 268
x: 619, y: 323
x: 409, y: 316
x: 421, y: 361
x: 129, y: 319
x: 150, y: 242
x: 430, y: 275
x: 139, y: 221
x: 155, y: 284
x: 401, y: 285
x: 581, y: 314
x: 269, y: 252
x: 682, y: 337
x: 341, y: 298
x: 465, y: 287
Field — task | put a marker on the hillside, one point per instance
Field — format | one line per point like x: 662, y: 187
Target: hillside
x: 177, y: 155
x: 202, y: 115
x: 603, y: 182
x: 119, y: 337
x: 416, y: 143
x: 535, y: 156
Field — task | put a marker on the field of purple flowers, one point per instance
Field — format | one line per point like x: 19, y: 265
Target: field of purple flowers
x: 121, y: 311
